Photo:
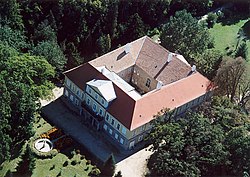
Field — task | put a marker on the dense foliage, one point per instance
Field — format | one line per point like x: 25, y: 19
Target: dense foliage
x: 24, y: 78
x: 206, y: 143
x: 185, y: 35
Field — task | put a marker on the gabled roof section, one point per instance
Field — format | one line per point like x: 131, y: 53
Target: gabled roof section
x: 118, y: 60
x: 104, y: 87
x: 170, y: 96
x: 153, y: 58
x: 121, y: 108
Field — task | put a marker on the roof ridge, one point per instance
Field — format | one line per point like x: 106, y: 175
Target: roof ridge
x: 74, y: 68
x: 141, y: 47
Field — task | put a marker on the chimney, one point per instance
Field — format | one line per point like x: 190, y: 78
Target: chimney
x: 170, y: 57
x: 159, y: 85
x: 127, y: 48
x: 193, y: 68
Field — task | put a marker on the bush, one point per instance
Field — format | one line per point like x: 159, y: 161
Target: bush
x: 73, y: 162
x: 211, y: 19
x: 65, y: 163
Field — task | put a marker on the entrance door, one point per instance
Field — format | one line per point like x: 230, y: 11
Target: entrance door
x: 131, y: 144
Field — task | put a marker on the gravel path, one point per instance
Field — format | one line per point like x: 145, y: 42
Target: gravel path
x: 134, y: 165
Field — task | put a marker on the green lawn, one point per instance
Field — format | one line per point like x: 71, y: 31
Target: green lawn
x: 55, y: 166
x: 49, y: 166
x: 226, y: 36
x: 41, y: 126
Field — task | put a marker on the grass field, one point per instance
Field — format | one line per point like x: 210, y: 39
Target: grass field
x: 76, y: 166
x: 226, y: 36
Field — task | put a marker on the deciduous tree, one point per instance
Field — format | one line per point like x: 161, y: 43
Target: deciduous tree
x: 188, y: 147
x: 232, y: 80
x: 185, y: 35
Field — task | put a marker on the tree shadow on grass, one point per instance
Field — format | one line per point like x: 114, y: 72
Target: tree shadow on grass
x: 232, y: 18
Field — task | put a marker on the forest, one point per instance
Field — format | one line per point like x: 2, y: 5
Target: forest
x: 41, y: 39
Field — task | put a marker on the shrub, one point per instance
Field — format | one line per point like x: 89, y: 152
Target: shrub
x: 65, y: 163
x: 211, y: 19
x: 73, y: 162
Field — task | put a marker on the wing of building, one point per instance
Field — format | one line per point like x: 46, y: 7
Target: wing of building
x: 120, y: 92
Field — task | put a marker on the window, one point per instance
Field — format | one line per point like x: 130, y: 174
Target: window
x: 140, y: 138
x: 88, y: 101
x: 118, y: 126
x: 107, y: 117
x: 121, y: 141
x: 66, y: 93
x: 112, y: 122
x: 100, y: 112
x: 76, y: 102
x: 116, y: 136
x: 134, y: 132
x: 110, y: 131
x: 148, y: 82
x: 103, y: 102
x: 82, y: 95
x: 67, y: 82
x: 71, y: 97
x: 96, y: 96
x: 124, y: 130
x: 89, y: 90
x: 143, y: 127
x: 94, y: 107
x: 78, y: 92
x: 105, y: 127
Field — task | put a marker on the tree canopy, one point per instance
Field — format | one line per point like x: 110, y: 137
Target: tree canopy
x: 185, y: 35
x: 24, y: 79
x: 233, y: 80
x: 212, y: 141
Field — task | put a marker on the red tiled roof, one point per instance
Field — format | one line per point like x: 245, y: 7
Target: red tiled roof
x: 121, y: 108
x: 152, y: 59
x: 170, y: 96
x: 129, y: 112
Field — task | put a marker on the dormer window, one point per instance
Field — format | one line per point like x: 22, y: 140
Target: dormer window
x: 148, y: 82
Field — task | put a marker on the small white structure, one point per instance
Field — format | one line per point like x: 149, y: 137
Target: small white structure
x: 127, y: 48
x: 43, y: 145
x: 193, y: 68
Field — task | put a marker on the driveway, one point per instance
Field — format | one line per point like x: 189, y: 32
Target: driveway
x: 130, y: 163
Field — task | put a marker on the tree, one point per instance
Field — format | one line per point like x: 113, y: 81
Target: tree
x: 191, y: 146
x: 44, y: 32
x: 211, y: 19
x: 118, y: 174
x: 135, y: 27
x: 13, y: 38
x: 4, y: 126
x: 53, y: 53
x: 185, y: 35
x: 208, y: 62
x: 242, y: 51
x: 10, y: 14
x: 238, y: 142
x: 104, y: 44
x: 108, y: 168
x: 23, y: 79
x: 232, y: 79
